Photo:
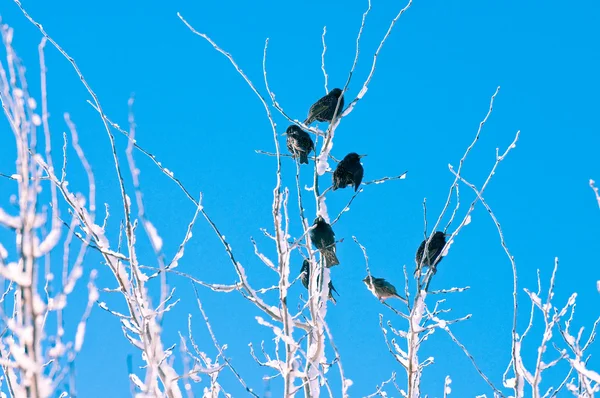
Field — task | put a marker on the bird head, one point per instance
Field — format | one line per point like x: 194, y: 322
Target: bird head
x: 354, y: 157
x: 367, y: 279
x: 292, y: 130
x: 318, y: 220
x: 440, y: 235
x: 336, y: 92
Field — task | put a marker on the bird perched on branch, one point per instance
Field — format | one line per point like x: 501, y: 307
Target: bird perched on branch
x: 349, y: 172
x: 324, y: 109
x: 433, y: 256
x: 305, y: 277
x: 299, y: 143
x: 381, y: 288
x: 323, y: 238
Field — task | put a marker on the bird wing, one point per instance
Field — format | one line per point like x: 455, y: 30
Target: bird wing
x: 358, y: 176
x: 317, y: 109
x: 338, y: 177
x: 390, y: 288
x: 437, y: 256
x: 330, y: 236
x: 306, y: 142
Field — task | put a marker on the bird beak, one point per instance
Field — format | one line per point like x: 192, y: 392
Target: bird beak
x: 361, y: 156
x: 284, y: 133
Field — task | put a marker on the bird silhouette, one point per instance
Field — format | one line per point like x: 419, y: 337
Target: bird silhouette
x: 305, y: 277
x: 299, y: 143
x: 348, y: 172
x: 324, y: 109
x: 323, y: 238
x: 433, y: 256
x: 381, y: 288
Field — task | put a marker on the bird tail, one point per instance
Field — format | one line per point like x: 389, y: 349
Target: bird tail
x: 400, y: 297
x: 417, y: 269
x: 303, y: 158
x: 332, y: 299
x: 330, y: 257
x: 331, y: 290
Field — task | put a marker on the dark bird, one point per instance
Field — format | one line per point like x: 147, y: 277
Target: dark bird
x: 323, y: 110
x: 381, y: 288
x: 299, y: 143
x: 305, y: 277
x: 323, y: 238
x: 434, y: 250
x: 349, y: 172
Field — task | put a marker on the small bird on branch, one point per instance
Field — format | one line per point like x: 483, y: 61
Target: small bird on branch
x: 323, y: 238
x: 349, y: 172
x: 433, y: 256
x: 299, y: 143
x: 324, y: 109
x: 381, y: 288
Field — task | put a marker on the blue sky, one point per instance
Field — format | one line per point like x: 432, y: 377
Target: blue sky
x: 431, y: 89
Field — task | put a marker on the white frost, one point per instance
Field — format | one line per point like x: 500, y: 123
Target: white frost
x: 93, y: 294
x: 510, y: 383
x: 534, y: 298
x: 581, y: 369
x: 322, y: 164
x: 323, y: 209
x: 347, y: 383
x: 4, y: 254
x: 79, y: 336
x: 14, y: 273
x: 50, y: 241
x: 136, y: 380
x: 36, y: 120
x: 447, y: 382
x: 362, y: 92
x: 447, y: 249
x: 75, y: 274
x: 38, y: 304
x: 157, y: 241
x: 8, y: 220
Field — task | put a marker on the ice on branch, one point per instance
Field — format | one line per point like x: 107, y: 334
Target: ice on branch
x: 157, y: 241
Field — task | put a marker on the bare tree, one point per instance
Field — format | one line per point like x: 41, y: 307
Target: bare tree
x: 48, y: 214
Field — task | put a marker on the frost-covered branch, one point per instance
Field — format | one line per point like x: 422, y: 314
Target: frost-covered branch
x: 595, y: 189
x: 142, y: 315
x: 35, y: 360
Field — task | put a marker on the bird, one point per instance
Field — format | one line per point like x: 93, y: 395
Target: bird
x: 323, y: 110
x: 381, y: 288
x: 434, y: 250
x: 349, y: 172
x: 305, y: 277
x: 323, y: 238
x: 299, y: 143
